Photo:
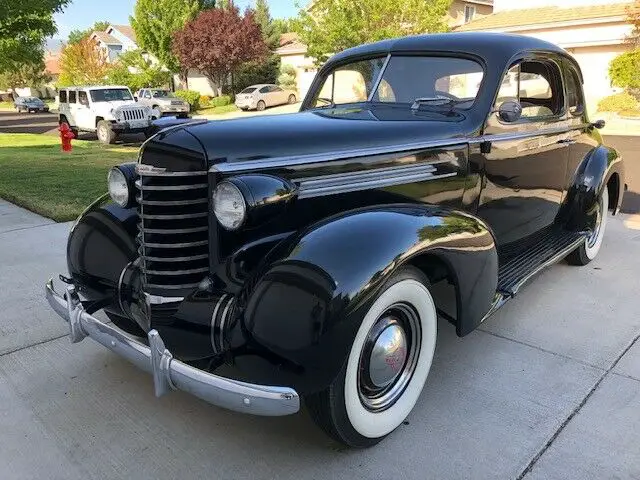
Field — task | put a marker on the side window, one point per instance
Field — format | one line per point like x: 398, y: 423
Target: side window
x: 537, y: 86
x: 264, y: 89
x: 147, y: 94
x: 72, y: 96
x: 575, y: 102
x: 83, y: 99
x: 276, y: 89
x: 63, y: 96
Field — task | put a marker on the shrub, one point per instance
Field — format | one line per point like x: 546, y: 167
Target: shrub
x: 624, y: 69
x: 288, y: 77
x: 618, y: 103
x: 221, y: 101
x: 205, y: 100
x: 193, y: 98
x: 257, y: 71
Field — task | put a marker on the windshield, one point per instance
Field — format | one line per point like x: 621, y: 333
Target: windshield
x: 32, y: 100
x: 404, y: 80
x: 162, y: 94
x: 249, y: 90
x: 110, y: 95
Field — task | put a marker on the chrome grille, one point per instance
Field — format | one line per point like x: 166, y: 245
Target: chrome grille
x: 173, y: 230
x: 133, y: 114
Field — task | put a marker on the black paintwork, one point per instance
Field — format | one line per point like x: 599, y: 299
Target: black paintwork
x: 305, y: 267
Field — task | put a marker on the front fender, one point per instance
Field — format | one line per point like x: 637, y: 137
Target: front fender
x: 101, y: 243
x: 579, y: 209
x: 307, y: 306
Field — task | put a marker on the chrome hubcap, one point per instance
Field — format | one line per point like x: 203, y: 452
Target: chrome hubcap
x: 389, y: 357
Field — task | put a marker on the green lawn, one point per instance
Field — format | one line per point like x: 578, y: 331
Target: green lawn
x: 217, y: 110
x: 38, y: 176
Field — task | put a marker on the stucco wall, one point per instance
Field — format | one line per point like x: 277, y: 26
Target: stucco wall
x: 304, y: 69
x: 456, y: 12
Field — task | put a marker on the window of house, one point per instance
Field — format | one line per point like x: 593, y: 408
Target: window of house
x: 72, y: 96
x: 63, y: 96
x: 469, y: 13
x: 536, y: 85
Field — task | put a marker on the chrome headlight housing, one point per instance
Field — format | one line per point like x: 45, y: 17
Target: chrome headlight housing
x: 229, y: 205
x: 120, y: 181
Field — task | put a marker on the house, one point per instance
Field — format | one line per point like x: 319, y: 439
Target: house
x: 293, y: 52
x: 465, y: 11
x: 115, y: 40
x: 593, y: 31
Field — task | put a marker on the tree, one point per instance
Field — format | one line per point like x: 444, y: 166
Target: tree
x: 270, y: 31
x: 155, y: 22
x: 329, y: 26
x: 283, y: 25
x: 218, y: 41
x: 76, y: 35
x: 23, y: 28
x: 82, y: 63
x: 136, y: 71
x: 30, y: 74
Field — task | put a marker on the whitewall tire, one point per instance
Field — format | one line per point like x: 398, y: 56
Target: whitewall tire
x: 590, y: 248
x: 387, y: 366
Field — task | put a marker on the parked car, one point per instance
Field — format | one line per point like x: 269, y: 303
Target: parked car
x: 108, y: 110
x: 256, y: 262
x: 163, y: 101
x: 259, y: 97
x: 30, y: 104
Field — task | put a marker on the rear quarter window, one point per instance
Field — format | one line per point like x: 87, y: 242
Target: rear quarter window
x: 63, y: 96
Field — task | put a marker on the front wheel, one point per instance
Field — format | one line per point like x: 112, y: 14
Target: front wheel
x: 105, y: 133
x: 292, y: 99
x: 590, y: 248
x: 387, y: 366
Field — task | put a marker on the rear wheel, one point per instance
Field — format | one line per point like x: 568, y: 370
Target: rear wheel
x: 387, y: 366
x: 590, y: 248
x: 105, y: 133
x: 261, y: 106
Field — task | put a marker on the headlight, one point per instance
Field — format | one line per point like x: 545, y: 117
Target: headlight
x: 229, y: 206
x: 119, y: 190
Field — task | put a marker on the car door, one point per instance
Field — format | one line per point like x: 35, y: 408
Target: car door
x: 72, y: 116
x: 263, y: 94
x: 280, y: 95
x: 525, y: 160
x: 84, y: 117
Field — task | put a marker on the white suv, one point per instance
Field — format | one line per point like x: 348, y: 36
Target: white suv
x: 106, y: 110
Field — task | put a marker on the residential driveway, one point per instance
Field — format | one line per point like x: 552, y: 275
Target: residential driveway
x: 548, y: 388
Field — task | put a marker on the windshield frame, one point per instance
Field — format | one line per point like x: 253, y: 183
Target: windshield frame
x: 331, y: 67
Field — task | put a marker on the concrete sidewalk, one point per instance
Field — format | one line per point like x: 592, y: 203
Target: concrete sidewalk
x: 548, y: 388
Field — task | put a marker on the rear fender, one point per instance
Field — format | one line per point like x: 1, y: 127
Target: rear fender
x: 579, y: 209
x: 308, y: 303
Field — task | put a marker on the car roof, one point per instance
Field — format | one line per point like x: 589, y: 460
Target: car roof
x: 489, y: 46
x: 94, y: 87
x: 260, y: 85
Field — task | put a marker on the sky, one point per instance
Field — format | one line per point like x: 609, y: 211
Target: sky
x: 81, y: 14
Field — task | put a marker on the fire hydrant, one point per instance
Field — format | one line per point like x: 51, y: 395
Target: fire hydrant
x: 66, y: 135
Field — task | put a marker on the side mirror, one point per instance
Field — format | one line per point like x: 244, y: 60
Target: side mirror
x: 599, y: 124
x: 510, y: 111
x: 135, y: 97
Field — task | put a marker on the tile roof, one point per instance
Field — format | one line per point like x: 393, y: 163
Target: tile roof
x: 126, y: 30
x: 545, y: 15
x: 52, y: 64
x: 290, y: 42
x: 104, y: 37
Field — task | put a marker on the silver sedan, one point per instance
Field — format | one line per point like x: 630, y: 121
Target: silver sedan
x: 259, y: 97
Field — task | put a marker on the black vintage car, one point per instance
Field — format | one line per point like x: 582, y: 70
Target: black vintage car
x: 259, y: 261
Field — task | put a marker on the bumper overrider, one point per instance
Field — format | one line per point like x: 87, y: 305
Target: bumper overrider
x: 169, y: 373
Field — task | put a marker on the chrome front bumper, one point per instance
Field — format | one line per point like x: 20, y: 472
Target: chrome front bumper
x: 169, y: 373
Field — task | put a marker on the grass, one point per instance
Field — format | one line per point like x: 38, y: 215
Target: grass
x: 217, y: 110
x: 38, y: 176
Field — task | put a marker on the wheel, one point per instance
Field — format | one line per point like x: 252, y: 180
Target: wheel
x: 261, y: 106
x: 590, y: 248
x: 292, y: 98
x: 105, y: 133
x: 387, y: 366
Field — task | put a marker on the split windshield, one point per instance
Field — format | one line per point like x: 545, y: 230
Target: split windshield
x: 110, y: 95
x: 162, y: 94
x: 402, y: 80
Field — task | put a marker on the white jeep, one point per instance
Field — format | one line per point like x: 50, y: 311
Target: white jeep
x: 106, y: 110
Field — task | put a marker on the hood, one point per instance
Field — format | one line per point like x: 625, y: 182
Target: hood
x: 322, y: 131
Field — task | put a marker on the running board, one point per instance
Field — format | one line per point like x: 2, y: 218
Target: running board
x: 550, y: 249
